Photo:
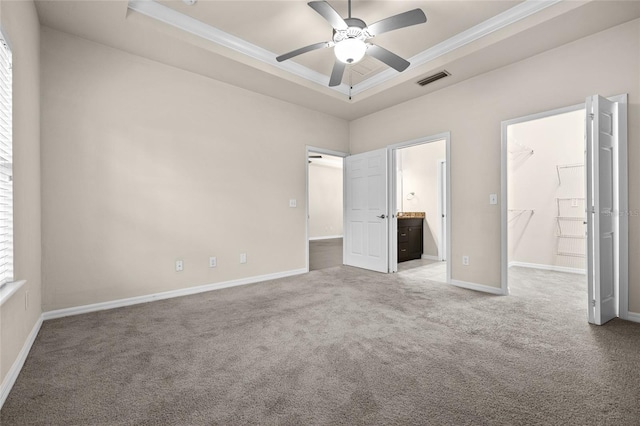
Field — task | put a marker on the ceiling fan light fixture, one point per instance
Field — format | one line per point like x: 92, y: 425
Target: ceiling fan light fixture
x: 350, y: 50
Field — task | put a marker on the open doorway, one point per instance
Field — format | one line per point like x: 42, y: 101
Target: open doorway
x: 325, y: 209
x: 420, y: 209
x: 564, y: 174
x: 546, y: 189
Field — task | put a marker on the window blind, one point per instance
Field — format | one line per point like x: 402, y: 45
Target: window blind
x: 6, y: 165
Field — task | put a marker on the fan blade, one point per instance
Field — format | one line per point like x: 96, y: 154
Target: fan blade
x: 389, y: 58
x: 406, y: 19
x: 329, y: 13
x: 336, y: 74
x: 302, y: 50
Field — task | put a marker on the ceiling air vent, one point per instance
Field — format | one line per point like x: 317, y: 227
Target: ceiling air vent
x: 434, y: 77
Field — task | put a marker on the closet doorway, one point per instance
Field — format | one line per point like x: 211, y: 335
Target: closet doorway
x: 546, y: 197
x: 565, y: 206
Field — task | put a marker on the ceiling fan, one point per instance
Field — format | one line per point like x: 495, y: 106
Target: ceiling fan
x: 350, y: 36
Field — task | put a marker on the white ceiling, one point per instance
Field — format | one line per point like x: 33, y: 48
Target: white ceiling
x: 237, y: 41
x: 282, y: 26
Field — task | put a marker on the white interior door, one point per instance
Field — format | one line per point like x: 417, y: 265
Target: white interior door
x: 602, y: 211
x: 442, y: 190
x: 366, y: 236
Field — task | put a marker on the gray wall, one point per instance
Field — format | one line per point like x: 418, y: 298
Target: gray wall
x: 20, y: 25
x: 145, y: 163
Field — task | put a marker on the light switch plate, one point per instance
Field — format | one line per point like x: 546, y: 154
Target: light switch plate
x: 493, y: 198
x: 293, y: 202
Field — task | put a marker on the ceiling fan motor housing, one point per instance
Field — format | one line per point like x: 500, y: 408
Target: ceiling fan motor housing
x: 350, y: 43
x: 357, y: 29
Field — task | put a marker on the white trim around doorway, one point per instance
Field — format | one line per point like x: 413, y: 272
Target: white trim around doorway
x: 393, y: 230
x: 442, y: 192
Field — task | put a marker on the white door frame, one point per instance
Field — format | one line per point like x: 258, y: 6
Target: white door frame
x: 393, y: 228
x: 441, y: 192
x: 306, y: 221
x: 623, y: 290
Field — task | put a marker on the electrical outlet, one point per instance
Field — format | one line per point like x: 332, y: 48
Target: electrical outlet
x: 179, y: 265
x: 243, y: 257
x: 465, y: 260
x: 213, y: 262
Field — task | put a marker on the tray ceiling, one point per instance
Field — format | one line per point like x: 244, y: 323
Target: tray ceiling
x: 236, y: 41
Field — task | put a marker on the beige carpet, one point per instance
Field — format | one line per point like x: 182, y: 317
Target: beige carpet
x: 337, y: 346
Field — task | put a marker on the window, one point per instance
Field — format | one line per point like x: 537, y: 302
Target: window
x: 6, y: 165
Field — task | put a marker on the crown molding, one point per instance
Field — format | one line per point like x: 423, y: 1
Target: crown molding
x: 502, y: 20
x: 198, y: 28
x: 191, y: 25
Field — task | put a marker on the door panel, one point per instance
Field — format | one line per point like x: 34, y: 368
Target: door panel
x: 443, y: 208
x: 366, y: 243
x: 602, y: 238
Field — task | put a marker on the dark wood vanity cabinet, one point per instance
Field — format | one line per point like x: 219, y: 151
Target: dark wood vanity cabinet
x: 409, y: 238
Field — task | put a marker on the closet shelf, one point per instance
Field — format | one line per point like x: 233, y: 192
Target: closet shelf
x: 571, y: 229
x: 567, y: 221
x: 565, y: 166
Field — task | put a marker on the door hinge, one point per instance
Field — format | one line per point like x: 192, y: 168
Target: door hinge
x: 591, y: 116
x: 593, y: 303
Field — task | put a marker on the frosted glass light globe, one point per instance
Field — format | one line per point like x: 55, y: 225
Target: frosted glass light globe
x: 350, y: 50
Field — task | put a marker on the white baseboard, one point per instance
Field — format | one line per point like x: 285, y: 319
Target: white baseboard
x: 77, y: 310
x: 329, y: 237
x: 632, y: 316
x: 430, y: 257
x: 477, y: 287
x: 14, y: 371
x: 549, y: 267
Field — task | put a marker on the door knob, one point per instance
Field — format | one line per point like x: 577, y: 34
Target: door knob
x: 382, y: 216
